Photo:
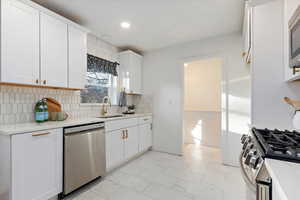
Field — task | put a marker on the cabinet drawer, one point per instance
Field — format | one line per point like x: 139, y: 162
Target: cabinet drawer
x: 120, y: 124
x: 145, y: 120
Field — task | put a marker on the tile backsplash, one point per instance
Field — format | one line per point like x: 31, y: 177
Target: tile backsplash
x: 17, y: 104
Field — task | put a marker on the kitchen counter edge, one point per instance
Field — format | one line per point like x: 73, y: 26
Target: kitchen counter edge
x: 13, y: 129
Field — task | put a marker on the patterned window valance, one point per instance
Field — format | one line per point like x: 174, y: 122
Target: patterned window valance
x: 96, y: 64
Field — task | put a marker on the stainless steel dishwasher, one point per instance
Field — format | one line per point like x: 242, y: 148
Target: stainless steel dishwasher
x: 84, y: 155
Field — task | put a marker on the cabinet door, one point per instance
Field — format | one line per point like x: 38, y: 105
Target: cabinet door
x: 19, y: 43
x: 37, y: 165
x: 124, y: 72
x: 135, y: 73
x: 131, y: 72
x: 114, y: 148
x: 77, y: 58
x: 54, y: 52
x: 131, y: 142
x: 145, y: 137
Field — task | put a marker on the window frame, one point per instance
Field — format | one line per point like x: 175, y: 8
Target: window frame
x: 118, y: 80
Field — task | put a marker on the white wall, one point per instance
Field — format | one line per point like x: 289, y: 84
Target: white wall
x: 268, y: 86
x: 163, y: 79
x: 202, y: 85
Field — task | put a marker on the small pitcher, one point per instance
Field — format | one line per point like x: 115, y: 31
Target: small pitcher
x: 296, y: 120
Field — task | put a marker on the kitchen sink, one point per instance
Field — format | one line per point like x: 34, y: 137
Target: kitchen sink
x: 111, y: 116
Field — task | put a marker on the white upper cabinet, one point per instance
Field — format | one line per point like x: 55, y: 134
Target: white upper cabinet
x: 131, y: 72
x: 77, y: 58
x: 19, y: 43
x: 39, y: 47
x: 54, y: 51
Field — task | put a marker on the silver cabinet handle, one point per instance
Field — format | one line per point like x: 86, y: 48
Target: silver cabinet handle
x: 123, y: 134
x: 40, y: 134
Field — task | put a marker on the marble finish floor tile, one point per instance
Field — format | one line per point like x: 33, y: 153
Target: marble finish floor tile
x: 197, y: 175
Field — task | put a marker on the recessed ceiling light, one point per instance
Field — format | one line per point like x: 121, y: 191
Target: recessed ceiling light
x: 125, y: 25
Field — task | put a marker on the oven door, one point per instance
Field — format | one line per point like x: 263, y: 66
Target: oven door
x: 250, y: 186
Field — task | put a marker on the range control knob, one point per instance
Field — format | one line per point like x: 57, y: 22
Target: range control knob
x: 247, y: 149
x: 246, y: 142
x: 243, y: 138
x: 252, y: 153
x: 254, y: 160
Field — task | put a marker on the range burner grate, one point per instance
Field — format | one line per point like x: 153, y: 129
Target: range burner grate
x: 277, y: 144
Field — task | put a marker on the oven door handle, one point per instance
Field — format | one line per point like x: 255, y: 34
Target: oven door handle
x: 245, y: 176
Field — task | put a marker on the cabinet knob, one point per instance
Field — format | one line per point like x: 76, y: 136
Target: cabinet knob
x: 37, y: 81
x: 44, y: 82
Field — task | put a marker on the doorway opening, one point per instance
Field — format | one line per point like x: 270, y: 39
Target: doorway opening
x: 202, y: 107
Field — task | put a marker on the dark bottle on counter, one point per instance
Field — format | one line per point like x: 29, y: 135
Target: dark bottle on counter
x: 39, y: 111
x: 46, y: 113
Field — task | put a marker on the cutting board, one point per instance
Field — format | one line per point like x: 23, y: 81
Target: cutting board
x: 53, y: 105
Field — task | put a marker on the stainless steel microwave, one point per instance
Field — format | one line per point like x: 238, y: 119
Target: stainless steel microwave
x: 294, y: 34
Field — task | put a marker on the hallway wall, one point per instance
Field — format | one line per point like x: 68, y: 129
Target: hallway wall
x: 163, y: 81
x: 202, y: 90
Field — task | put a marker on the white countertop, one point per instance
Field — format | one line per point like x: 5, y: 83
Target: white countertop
x: 31, y: 127
x: 286, y: 177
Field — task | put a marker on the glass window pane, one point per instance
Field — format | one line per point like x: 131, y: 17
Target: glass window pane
x: 98, y: 86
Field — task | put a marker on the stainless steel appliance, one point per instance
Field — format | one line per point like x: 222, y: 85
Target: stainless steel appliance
x: 257, y: 178
x: 271, y: 144
x: 84, y: 155
x: 294, y: 31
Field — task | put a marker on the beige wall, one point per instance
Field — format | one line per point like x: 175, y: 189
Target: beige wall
x: 203, y: 85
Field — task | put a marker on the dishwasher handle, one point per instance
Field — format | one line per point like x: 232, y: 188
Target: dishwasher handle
x: 83, y: 128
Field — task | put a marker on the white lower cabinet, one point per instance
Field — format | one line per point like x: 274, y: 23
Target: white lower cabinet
x: 131, y: 142
x: 121, y: 145
x: 36, y: 161
x: 145, y: 137
x: 125, y: 139
x: 114, y: 148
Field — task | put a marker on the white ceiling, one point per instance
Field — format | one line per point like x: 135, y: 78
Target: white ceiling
x: 154, y: 23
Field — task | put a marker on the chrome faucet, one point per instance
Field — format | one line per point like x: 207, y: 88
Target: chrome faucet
x: 105, y: 102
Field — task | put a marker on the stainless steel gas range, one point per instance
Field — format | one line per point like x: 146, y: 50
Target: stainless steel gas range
x: 261, y: 144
